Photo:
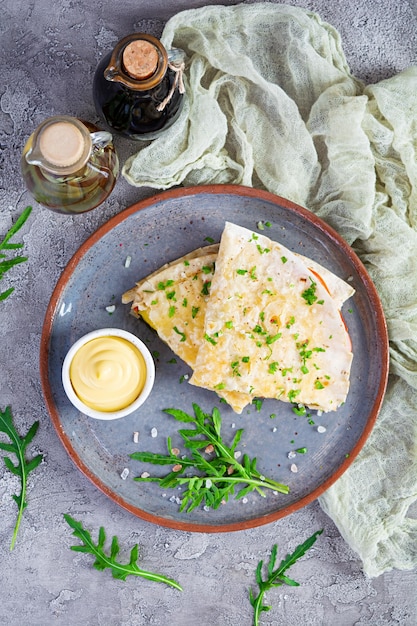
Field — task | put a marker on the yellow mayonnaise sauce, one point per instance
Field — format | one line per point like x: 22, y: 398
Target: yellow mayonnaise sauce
x: 108, y: 373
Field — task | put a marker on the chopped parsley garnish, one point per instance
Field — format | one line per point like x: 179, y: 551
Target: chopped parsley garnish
x: 171, y: 311
x: 241, y: 272
x: 185, y: 302
x: 262, y: 250
x: 309, y: 294
x: 229, y: 324
x: 206, y: 288
x: 273, y: 367
x: 318, y: 384
x: 272, y: 338
x: 292, y: 394
x: 183, y: 336
x: 284, y: 259
x: 194, y: 311
x: 210, y: 339
x: 258, y: 403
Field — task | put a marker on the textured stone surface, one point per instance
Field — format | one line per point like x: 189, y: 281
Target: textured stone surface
x: 49, y: 51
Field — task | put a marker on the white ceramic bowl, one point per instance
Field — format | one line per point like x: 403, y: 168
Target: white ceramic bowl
x: 146, y: 390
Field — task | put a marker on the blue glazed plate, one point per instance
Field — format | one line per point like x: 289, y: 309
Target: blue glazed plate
x: 161, y: 229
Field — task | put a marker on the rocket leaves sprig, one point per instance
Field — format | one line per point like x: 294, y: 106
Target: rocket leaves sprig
x: 23, y: 467
x: 213, y: 474
x: 119, y: 570
x: 7, y: 264
x: 276, y: 577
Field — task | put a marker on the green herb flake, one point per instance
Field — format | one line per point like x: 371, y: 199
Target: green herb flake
x: 183, y: 336
x: 245, y: 359
x: 194, y: 311
x: 206, y: 288
x: 309, y: 295
x: 209, y: 239
x: 210, y: 339
x: 299, y: 409
x: 293, y: 393
x: 273, y: 367
x: 185, y: 303
x: 171, y: 311
x: 318, y: 384
x: 301, y: 450
x: 229, y: 324
x: 272, y: 338
x: 284, y: 259
x: 241, y: 272
x: 258, y: 402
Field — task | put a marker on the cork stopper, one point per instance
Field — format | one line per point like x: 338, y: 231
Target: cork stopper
x: 140, y: 59
x: 62, y: 144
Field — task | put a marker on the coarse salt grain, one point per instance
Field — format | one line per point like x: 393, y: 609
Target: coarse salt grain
x: 136, y: 437
x: 237, y: 454
x: 294, y: 468
x: 244, y: 500
x: 145, y: 475
x: 321, y: 429
x: 124, y: 474
x: 154, y: 433
x: 111, y: 308
x: 128, y: 261
x: 292, y: 454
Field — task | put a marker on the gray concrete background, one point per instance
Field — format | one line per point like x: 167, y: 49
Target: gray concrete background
x: 49, y: 51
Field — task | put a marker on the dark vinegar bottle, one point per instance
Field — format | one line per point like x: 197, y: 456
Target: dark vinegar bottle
x: 138, y: 88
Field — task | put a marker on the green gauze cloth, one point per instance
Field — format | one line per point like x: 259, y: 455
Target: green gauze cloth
x: 271, y: 103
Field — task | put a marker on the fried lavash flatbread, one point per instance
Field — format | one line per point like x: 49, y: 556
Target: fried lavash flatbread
x: 174, y: 301
x: 271, y: 328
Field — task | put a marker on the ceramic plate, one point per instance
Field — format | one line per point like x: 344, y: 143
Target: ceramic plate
x: 151, y: 233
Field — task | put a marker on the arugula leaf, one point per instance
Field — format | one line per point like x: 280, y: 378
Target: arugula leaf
x: 119, y: 570
x: 277, y: 577
x: 216, y: 475
x: 7, y: 264
x: 18, y: 447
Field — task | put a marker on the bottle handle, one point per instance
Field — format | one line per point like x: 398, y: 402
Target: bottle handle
x: 101, y: 139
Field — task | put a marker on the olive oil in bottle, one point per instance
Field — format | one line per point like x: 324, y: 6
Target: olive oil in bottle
x: 68, y: 165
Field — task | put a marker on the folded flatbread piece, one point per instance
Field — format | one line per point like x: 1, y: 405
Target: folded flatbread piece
x: 271, y: 327
x: 173, y: 300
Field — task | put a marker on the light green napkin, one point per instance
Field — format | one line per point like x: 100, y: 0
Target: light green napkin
x: 271, y: 103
